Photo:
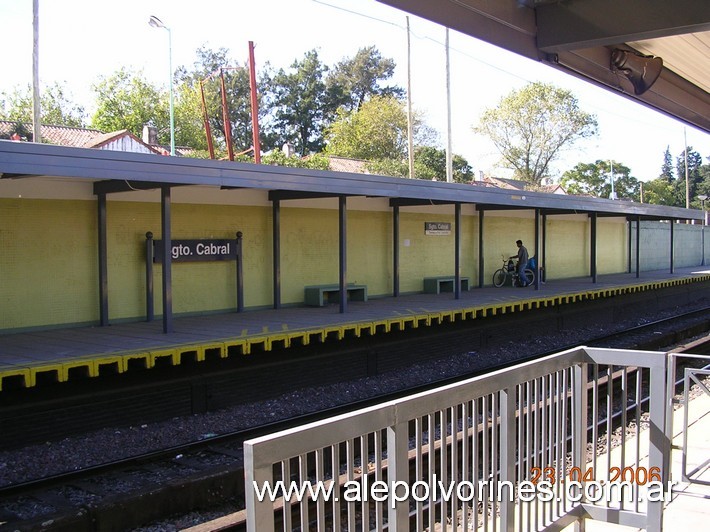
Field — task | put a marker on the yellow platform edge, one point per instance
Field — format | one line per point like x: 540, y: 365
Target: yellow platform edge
x: 28, y: 375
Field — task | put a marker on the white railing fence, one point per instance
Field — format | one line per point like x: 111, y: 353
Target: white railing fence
x: 692, y: 376
x: 523, y: 448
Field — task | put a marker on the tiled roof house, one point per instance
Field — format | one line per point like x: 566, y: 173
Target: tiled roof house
x: 516, y: 184
x: 81, y: 137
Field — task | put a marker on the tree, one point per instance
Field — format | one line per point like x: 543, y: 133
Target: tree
x: 279, y: 158
x: 377, y: 133
x: 430, y: 163
x: 378, y: 130
x: 659, y: 192
x: 207, y: 70
x: 352, y: 81
x: 667, y: 167
x: 594, y: 179
x: 300, y: 104
x: 695, y: 176
x: 189, y: 124
x: 126, y: 100
x: 56, y: 108
x: 532, y: 125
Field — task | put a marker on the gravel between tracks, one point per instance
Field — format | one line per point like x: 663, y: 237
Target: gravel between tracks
x: 114, y: 443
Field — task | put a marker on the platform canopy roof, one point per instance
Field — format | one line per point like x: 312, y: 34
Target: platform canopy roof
x: 581, y: 37
x: 117, y: 171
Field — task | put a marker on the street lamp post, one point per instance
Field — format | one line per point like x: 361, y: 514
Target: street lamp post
x: 157, y: 23
x: 702, y: 198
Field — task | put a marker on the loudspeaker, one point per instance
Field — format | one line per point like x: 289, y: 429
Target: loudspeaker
x: 642, y: 70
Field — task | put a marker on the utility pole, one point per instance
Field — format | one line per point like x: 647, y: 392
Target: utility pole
x: 36, y: 111
x: 449, y: 155
x: 687, y: 181
x: 254, y: 105
x: 410, y: 126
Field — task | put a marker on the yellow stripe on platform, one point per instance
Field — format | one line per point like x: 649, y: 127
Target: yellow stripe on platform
x: 236, y: 344
x: 163, y: 354
x: 55, y: 369
x: 62, y: 370
x: 8, y: 372
x: 116, y: 362
x: 143, y: 359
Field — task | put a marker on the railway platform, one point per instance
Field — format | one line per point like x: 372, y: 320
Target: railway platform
x: 60, y: 355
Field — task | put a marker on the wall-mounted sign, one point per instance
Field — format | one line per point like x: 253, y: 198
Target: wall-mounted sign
x: 437, y: 228
x: 197, y: 250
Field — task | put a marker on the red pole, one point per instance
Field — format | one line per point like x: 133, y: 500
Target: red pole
x: 205, y: 117
x: 254, y: 105
x: 227, y: 123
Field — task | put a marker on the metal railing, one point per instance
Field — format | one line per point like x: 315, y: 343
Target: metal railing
x: 525, y: 448
x: 691, y: 376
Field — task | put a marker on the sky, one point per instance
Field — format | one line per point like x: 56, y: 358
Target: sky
x: 82, y: 40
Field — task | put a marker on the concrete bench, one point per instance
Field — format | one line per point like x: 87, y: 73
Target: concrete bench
x: 319, y: 295
x: 444, y: 283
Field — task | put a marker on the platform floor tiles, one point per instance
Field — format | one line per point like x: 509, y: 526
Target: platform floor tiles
x: 60, y: 354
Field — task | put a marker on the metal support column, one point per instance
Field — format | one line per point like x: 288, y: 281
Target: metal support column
x: 628, y: 252
x: 638, y: 247
x: 103, y: 262
x: 167, y: 260
x: 480, y: 249
x: 672, y: 223
x: 149, y: 259
x: 276, y: 238
x: 457, y: 251
x: 342, y: 218
x: 240, y: 274
x: 593, y: 248
x: 537, y: 249
x: 541, y: 260
x: 395, y: 250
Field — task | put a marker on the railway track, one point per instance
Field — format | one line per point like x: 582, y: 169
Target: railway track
x: 207, y: 472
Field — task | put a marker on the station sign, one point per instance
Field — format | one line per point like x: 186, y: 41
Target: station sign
x: 437, y: 228
x: 197, y: 250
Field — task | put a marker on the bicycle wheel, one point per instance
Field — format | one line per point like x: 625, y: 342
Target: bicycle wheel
x: 530, y: 276
x: 499, y: 277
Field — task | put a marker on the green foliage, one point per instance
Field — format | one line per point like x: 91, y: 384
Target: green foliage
x: 667, y: 167
x: 594, y: 179
x: 206, y: 76
x: 199, y: 154
x: 378, y: 130
x: 189, y: 125
x: 356, y: 79
x: 311, y: 96
x: 532, y: 125
x: 430, y: 163
x: 279, y: 158
x: 388, y: 167
x: 671, y: 190
x: 126, y: 100
x: 695, y: 176
x: 56, y: 108
x: 659, y: 192
x: 300, y: 103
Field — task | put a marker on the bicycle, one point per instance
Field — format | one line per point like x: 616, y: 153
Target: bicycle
x: 500, y: 277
